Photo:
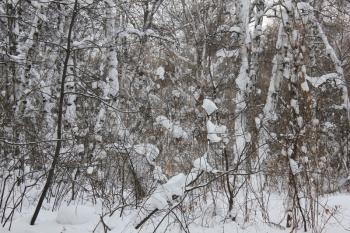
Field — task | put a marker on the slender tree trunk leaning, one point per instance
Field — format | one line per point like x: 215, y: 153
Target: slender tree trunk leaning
x: 59, y: 119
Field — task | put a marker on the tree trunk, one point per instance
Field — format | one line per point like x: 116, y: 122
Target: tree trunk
x: 59, y: 119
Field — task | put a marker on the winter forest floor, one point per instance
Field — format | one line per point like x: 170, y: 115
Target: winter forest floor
x: 77, y: 218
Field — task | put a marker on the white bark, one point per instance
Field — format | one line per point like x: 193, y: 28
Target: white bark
x: 280, y: 69
x: 110, y: 86
x: 338, y: 67
x: 243, y: 81
x: 71, y: 114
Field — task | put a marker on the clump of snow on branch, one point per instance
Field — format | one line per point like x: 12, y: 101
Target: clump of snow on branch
x: 209, y: 106
x: 165, y: 193
x: 160, y: 72
x: 150, y: 151
x: 202, y: 164
x: 215, y: 130
x: 175, y: 129
x: 332, y: 78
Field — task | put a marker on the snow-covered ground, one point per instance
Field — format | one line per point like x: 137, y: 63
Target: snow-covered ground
x: 85, y: 218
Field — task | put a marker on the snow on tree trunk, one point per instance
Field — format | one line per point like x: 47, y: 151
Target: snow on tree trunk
x: 71, y: 108
x: 279, y: 70
x: 338, y: 67
x: 257, y: 46
x: 243, y: 81
x: 26, y: 78
x: 46, y: 88
x: 110, y: 86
